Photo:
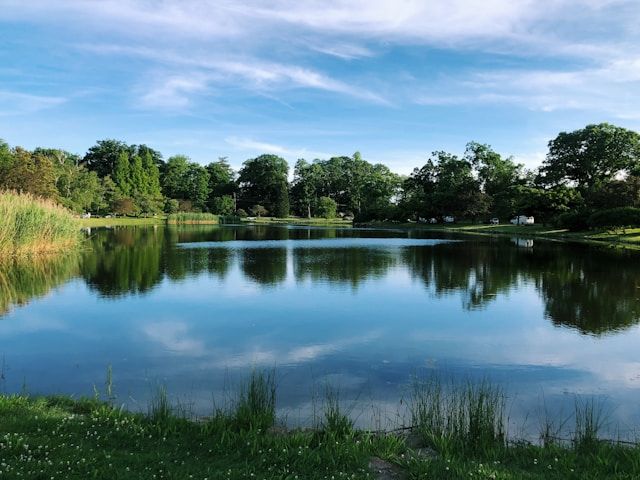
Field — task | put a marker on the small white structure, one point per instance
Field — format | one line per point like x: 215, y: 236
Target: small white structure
x: 494, y: 221
x: 448, y: 219
x: 522, y: 220
x: 86, y: 215
x: 433, y: 220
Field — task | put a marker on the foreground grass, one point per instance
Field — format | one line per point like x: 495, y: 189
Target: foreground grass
x: 301, y: 221
x: 30, y: 225
x: 59, y: 437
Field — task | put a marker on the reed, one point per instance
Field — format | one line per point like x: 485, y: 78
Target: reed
x: 31, y: 225
x: 193, y: 218
x: 459, y: 417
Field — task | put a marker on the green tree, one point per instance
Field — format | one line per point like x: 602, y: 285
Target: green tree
x: 103, y: 156
x: 281, y: 203
x: 261, y: 180
x: 224, y: 205
x: 591, y: 156
x: 221, y: 178
x: 122, y: 174
x: 499, y: 177
x: 197, y: 185
x: 174, y: 180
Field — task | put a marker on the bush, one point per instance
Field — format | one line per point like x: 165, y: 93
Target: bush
x: 615, y: 217
x: 573, y: 221
x: 327, y: 207
x: 241, y: 213
x: 171, y: 205
x: 223, y: 205
x: 259, y: 211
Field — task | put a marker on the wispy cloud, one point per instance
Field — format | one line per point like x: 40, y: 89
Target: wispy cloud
x: 612, y: 88
x: 265, y: 147
x: 16, y: 103
x: 252, y: 73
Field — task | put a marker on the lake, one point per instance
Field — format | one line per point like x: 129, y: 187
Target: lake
x: 364, y: 311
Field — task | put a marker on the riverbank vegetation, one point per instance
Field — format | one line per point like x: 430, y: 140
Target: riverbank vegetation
x: 589, y: 179
x: 193, y: 218
x: 458, y: 432
x: 30, y: 225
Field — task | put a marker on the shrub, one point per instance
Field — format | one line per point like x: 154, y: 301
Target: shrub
x: 241, y: 213
x: 327, y: 207
x: 615, y: 217
x: 573, y: 221
x: 259, y: 211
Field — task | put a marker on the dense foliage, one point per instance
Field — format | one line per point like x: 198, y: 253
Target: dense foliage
x: 587, y: 170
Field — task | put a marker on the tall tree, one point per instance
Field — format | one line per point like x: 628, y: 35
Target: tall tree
x: 591, y: 156
x: 122, y: 173
x: 261, y: 178
x: 103, y: 156
x: 499, y: 177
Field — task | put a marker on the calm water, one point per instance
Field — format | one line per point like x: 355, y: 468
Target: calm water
x: 196, y: 308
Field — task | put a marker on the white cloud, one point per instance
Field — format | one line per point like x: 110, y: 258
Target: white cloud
x: 612, y: 88
x: 265, y: 147
x: 175, y: 337
x: 16, y: 103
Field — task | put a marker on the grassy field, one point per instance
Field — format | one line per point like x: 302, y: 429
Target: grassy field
x: 334, y: 222
x: 458, y: 434
x: 122, y: 221
x: 30, y: 225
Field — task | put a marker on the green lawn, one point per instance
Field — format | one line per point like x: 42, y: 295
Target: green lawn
x: 59, y: 438
x: 121, y: 221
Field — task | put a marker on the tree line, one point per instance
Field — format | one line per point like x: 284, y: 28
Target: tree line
x: 585, y: 171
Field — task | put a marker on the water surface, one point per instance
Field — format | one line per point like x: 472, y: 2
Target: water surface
x: 197, y: 307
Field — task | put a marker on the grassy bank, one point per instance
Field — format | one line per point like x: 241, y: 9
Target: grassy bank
x: 333, y: 222
x: 627, y: 237
x: 186, y: 218
x: 29, y: 225
x: 121, y: 221
x: 459, y: 433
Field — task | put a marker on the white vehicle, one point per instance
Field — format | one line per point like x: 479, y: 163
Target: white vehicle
x: 494, y: 221
x: 522, y: 220
x: 448, y: 219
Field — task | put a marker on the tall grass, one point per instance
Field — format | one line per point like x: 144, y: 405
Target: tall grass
x: 186, y: 217
x: 459, y: 417
x: 31, y: 225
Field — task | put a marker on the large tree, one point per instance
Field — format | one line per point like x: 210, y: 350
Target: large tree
x: 261, y: 180
x: 499, y: 177
x: 591, y: 156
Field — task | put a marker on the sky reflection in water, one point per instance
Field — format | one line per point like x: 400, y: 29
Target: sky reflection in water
x: 196, y: 308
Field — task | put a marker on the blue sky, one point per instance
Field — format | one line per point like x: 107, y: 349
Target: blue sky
x: 394, y: 80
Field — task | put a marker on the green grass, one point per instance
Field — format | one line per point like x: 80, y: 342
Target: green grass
x: 193, y: 218
x: 62, y: 438
x: 121, y: 221
x: 301, y: 221
x: 30, y: 225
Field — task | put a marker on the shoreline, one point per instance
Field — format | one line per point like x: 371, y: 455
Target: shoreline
x: 62, y: 437
x: 624, y: 238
